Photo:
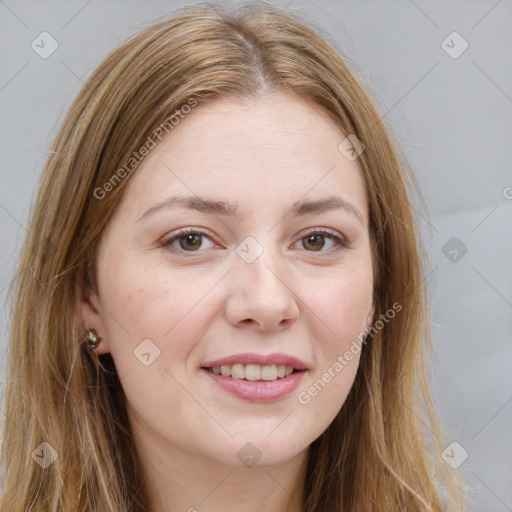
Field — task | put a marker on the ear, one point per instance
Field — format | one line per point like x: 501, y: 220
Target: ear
x: 88, y: 312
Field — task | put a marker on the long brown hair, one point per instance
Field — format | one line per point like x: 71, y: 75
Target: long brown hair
x: 375, y: 454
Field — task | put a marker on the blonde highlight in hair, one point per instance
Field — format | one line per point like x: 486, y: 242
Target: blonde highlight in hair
x: 374, y: 456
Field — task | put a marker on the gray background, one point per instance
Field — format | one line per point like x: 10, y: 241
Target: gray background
x: 452, y: 117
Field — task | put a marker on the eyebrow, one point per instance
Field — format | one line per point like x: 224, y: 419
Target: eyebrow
x: 215, y: 207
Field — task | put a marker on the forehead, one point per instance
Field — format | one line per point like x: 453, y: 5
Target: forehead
x: 261, y: 151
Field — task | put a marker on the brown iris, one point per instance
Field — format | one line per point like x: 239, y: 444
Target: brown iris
x: 315, y: 242
x: 193, y: 239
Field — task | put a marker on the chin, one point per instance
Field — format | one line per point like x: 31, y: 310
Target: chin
x: 256, y: 451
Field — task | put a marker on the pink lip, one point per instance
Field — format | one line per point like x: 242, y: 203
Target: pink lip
x: 257, y: 390
x: 263, y: 360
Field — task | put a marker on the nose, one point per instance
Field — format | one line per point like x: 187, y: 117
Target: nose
x: 261, y: 296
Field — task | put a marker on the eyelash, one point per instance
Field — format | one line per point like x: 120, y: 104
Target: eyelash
x: 166, y: 243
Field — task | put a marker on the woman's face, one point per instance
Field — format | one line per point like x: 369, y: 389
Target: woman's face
x: 275, y: 271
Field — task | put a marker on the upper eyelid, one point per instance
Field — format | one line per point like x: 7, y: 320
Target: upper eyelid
x: 185, y: 231
x: 329, y: 231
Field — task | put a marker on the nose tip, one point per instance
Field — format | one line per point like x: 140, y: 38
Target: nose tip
x: 261, y: 296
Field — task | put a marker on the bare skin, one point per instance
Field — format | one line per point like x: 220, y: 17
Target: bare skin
x: 197, y: 299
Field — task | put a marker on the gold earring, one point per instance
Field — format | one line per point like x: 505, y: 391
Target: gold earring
x: 92, y: 339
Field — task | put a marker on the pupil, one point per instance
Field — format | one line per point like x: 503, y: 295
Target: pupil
x: 314, y: 239
x: 189, y: 239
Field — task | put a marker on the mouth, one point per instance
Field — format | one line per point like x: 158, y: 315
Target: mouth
x: 257, y: 378
x: 254, y: 372
x: 254, y: 367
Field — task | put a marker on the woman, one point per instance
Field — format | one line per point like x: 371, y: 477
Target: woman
x: 219, y: 304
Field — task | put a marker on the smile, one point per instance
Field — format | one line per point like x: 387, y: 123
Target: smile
x: 256, y: 377
x: 253, y: 372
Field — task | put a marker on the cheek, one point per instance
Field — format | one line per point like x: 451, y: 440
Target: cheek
x: 342, y: 306
x: 144, y: 297
x: 150, y: 302
x: 338, y: 312
x: 153, y: 322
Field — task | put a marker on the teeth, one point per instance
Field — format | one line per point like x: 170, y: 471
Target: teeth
x: 254, y: 371
x: 237, y: 371
x: 269, y: 372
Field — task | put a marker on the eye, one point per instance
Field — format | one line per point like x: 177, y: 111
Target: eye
x: 187, y: 239
x: 191, y: 240
x: 315, y: 241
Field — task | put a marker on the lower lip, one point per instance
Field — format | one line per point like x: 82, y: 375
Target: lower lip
x: 258, y: 390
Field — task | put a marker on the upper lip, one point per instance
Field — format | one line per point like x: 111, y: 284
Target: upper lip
x: 263, y: 360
